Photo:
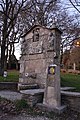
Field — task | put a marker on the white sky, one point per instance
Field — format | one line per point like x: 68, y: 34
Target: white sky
x: 17, y: 51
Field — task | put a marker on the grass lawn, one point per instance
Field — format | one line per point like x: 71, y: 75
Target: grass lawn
x: 13, y: 76
x: 70, y: 80
x: 67, y: 79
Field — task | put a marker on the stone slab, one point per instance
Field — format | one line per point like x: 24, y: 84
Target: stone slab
x: 33, y: 96
x: 68, y: 88
x: 77, y: 94
x: 32, y: 91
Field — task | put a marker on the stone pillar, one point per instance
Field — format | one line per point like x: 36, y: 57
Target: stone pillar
x: 52, y: 89
x: 52, y: 97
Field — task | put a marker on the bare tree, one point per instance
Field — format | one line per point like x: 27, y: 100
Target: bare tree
x: 69, y: 25
x: 75, y: 4
x: 40, y: 11
x: 9, y: 10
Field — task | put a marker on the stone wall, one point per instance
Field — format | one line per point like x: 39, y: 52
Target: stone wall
x: 8, y: 86
x: 71, y: 99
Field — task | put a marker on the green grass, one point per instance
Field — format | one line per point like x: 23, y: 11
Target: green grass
x: 20, y: 104
x: 13, y: 76
x: 67, y: 79
x: 70, y: 80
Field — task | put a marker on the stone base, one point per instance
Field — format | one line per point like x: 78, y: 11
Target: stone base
x: 33, y: 96
x: 58, y: 110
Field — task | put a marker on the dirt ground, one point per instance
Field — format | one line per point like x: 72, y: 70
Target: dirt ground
x: 67, y: 115
x: 8, y: 111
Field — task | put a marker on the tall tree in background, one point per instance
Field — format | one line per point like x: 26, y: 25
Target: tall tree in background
x: 12, y: 23
x: 69, y: 22
x: 40, y: 11
x: 9, y: 11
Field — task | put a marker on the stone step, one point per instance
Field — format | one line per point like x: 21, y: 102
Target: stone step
x: 23, y: 86
x: 32, y: 91
x: 33, y: 96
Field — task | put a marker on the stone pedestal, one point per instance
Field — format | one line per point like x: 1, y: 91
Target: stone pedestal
x: 48, y: 108
x: 33, y: 96
x: 52, y: 89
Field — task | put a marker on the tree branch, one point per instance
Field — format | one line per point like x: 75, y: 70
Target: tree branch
x: 74, y: 6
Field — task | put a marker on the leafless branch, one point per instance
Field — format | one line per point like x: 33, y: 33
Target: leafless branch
x: 74, y: 6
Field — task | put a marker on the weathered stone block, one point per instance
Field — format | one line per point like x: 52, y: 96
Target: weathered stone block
x: 33, y: 96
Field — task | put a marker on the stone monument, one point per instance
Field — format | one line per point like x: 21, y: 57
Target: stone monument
x: 52, y: 97
x: 52, y: 89
x: 40, y: 48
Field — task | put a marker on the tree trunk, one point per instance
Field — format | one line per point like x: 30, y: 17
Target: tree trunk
x: 3, y: 46
x: 2, y: 59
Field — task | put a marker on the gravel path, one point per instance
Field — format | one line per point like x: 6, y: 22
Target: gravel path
x: 22, y: 117
x: 10, y: 95
x: 29, y: 117
x: 68, y: 115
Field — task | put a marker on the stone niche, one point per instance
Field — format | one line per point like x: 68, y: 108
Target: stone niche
x: 40, y: 47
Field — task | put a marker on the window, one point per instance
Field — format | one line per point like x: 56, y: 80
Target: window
x: 36, y: 35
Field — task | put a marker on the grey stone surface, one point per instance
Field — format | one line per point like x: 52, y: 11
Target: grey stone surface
x: 67, y: 88
x: 38, y: 55
x: 32, y: 91
x: 33, y: 96
x: 10, y: 95
x: 74, y: 94
x: 52, y: 91
x: 46, y: 107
